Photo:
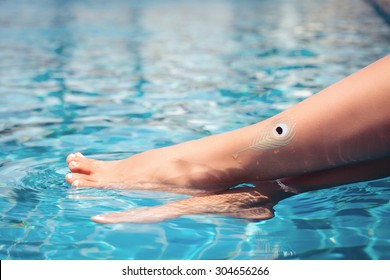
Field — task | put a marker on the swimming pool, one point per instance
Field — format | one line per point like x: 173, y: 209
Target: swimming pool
x: 115, y: 78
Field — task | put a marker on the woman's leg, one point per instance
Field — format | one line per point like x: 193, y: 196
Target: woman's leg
x: 346, y: 123
x: 254, y: 202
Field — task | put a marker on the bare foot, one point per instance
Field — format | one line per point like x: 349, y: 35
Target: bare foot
x: 255, y: 203
x: 131, y: 173
x: 151, y: 170
x: 93, y: 173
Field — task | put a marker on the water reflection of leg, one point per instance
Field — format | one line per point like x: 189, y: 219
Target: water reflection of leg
x: 245, y: 202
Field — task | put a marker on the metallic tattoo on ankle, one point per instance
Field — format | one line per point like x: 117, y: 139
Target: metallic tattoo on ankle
x: 279, y: 133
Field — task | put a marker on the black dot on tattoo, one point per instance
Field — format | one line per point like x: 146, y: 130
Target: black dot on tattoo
x: 279, y: 130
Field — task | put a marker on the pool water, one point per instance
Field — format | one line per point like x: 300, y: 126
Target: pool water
x: 114, y: 78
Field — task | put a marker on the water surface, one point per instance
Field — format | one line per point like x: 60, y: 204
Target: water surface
x: 115, y: 78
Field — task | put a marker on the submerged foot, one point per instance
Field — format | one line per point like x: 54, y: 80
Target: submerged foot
x: 239, y: 205
x: 248, y: 203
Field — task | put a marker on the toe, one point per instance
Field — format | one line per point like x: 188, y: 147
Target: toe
x: 80, y: 164
x: 84, y: 183
x: 77, y: 183
x: 78, y: 154
x: 117, y: 217
x: 69, y: 178
x: 74, y: 156
x: 105, y: 219
x: 80, y: 180
x: 75, y: 166
x: 70, y: 157
x: 142, y: 215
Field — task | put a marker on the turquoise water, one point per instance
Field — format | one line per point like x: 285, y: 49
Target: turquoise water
x: 114, y: 78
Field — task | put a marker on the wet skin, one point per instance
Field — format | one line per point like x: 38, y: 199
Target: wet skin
x: 250, y: 202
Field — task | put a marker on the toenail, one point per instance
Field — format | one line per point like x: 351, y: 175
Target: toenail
x: 73, y: 163
x: 72, y: 155
x: 69, y: 176
x: 76, y: 183
x: 80, y: 154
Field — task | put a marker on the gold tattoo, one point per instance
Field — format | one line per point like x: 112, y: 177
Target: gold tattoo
x: 279, y: 133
